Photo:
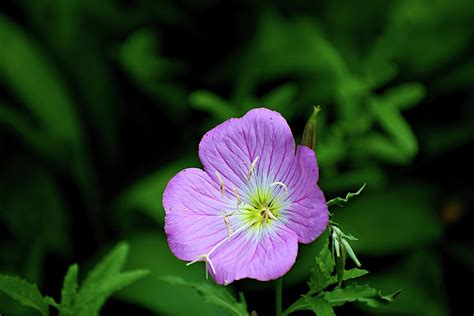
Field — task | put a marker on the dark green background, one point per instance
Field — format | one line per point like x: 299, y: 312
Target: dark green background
x: 102, y: 102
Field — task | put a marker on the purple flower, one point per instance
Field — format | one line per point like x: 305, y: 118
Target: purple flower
x: 256, y: 198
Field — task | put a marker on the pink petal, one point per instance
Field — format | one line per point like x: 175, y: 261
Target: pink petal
x: 307, y: 214
x: 265, y: 258
x: 231, y: 147
x: 194, y: 206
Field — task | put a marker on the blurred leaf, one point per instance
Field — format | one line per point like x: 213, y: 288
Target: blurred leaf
x: 391, y: 221
x: 144, y: 254
x: 36, y: 83
x: 401, y: 144
x: 276, y: 38
x: 340, y: 182
x: 24, y: 293
x: 404, y: 96
x: 280, y: 99
x: 213, y: 104
x: 213, y: 294
x: 139, y: 56
x: 38, y: 222
x: 146, y: 195
x: 441, y: 139
x: 463, y: 254
x: 421, y: 278
x: 360, y: 293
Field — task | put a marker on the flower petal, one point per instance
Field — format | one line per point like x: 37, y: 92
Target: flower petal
x: 231, y: 147
x: 265, y: 258
x: 307, y: 215
x: 194, y: 211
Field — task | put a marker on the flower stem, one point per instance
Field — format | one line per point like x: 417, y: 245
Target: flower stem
x: 278, y: 295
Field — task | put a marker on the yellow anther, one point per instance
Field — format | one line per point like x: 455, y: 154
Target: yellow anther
x: 252, y: 166
x: 219, y: 177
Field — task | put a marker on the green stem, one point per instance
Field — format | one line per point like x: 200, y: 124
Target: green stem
x: 278, y: 295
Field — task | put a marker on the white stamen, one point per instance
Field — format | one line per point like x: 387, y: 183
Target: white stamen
x: 207, y: 257
x: 207, y: 260
x: 280, y: 184
x: 219, y: 177
x: 252, y: 166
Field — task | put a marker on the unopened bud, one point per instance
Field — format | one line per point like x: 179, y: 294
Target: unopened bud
x: 309, y: 133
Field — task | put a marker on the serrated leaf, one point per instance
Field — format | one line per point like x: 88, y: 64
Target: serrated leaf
x: 361, y: 293
x: 353, y: 274
x: 92, y: 300
x: 69, y: 290
x: 213, y: 294
x: 23, y: 292
x: 104, y: 280
x: 322, y: 270
x: 342, y: 201
x: 108, y: 266
x: 319, y: 306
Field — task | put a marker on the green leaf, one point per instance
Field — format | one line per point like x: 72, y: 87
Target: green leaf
x: 213, y: 294
x: 404, y: 96
x: 213, y: 104
x: 399, y: 133
x: 69, y: 290
x: 140, y: 56
x: 361, y: 293
x: 39, y: 223
x: 143, y: 195
x: 353, y: 274
x: 321, y: 273
x: 104, y: 280
x: 144, y: 255
x: 421, y: 277
x: 280, y: 98
x: 319, y: 306
x: 342, y: 201
x: 25, y: 293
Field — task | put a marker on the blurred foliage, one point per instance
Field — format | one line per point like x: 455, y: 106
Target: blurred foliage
x: 102, y: 102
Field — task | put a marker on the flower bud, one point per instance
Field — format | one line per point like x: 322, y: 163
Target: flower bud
x: 309, y: 133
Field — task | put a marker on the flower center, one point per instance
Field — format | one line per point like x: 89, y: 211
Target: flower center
x: 262, y: 209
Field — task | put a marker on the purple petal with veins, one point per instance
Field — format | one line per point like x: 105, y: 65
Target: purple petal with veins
x: 257, y: 197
